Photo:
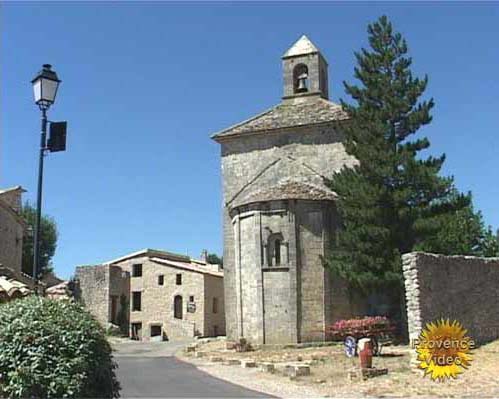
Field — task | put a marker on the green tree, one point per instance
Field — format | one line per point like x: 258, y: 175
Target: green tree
x: 48, y: 241
x: 462, y: 232
x: 490, y: 243
x: 390, y: 201
x: 215, y: 259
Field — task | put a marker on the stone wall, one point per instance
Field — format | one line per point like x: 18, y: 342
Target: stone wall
x: 11, y: 238
x: 462, y: 288
x: 93, y: 291
x: 311, y: 224
x: 214, y: 322
x: 158, y: 300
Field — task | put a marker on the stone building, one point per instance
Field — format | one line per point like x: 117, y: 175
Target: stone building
x: 164, y: 295
x: 279, y: 217
x: 13, y: 282
x: 12, y: 228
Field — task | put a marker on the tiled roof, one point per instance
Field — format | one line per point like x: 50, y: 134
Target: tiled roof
x: 171, y: 259
x: 150, y: 253
x: 193, y: 267
x: 284, y: 115
x: 8, y: 190
x: 288, y: 190
x: 10, y: 288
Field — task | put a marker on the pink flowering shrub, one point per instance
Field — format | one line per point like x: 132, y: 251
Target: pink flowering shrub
x: 360, y: 326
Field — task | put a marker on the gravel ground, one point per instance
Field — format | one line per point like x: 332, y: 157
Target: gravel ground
x: 255, y: 380
x: 329, y: 374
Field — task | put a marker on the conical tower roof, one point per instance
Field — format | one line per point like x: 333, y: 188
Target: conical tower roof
x: 302, y: 46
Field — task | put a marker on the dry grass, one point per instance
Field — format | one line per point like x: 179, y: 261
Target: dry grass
x: 329, y: 372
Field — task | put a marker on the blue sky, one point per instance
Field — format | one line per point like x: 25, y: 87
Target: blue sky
x: 146, y: 84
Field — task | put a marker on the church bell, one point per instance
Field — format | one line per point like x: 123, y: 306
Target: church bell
x: 302, y: 83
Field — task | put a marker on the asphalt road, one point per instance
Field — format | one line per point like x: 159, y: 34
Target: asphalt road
x: 150, y: 370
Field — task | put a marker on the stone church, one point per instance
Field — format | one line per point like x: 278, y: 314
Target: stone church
x: 279, y: 216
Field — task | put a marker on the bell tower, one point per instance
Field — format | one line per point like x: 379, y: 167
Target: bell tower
x: 305, y: 71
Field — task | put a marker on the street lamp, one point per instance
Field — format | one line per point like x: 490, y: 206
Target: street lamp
x: 45, y: 85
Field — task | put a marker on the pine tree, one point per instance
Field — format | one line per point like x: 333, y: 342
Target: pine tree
x: 390, y: 201
x: 461, y: 233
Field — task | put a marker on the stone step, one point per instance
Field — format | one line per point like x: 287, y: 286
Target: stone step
x: 232, y: 362
x: 248, y: 363
x: 266, y: 367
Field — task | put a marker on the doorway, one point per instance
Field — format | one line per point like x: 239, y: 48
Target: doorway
x: 137, y: 331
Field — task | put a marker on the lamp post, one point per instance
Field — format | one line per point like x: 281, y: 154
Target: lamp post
x: 45, y: 85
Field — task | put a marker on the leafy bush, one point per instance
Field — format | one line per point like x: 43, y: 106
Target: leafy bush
x: 53, y: 349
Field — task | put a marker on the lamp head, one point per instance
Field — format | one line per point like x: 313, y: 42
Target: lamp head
x: 45, y: 85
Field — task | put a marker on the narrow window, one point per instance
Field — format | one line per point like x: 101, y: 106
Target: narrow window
x: 215, y: 305
x: 114, y: 308
x: 215, y: 331
x: 136, y: 301
x: 277, y: 252
x: 177, y: 307
x: 161, y: 280
x: 274, y: 248
x: 191, y: 298
x: 179, y: 279
x: 137, y: 270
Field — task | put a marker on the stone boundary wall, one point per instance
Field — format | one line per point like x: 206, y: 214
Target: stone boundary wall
x: 462, y: 288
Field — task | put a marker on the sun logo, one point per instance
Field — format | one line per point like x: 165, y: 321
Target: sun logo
x: 444, y: 349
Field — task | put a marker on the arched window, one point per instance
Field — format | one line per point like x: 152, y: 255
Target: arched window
x: 177, y: 307
x: 300, y: 78
x: 274, y: 249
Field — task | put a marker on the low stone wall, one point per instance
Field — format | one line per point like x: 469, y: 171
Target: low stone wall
x: 462, y: 288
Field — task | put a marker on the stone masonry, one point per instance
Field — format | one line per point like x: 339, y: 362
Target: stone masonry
x: 12, y: 229
x: 462, y: 288
x: 96, y: 285
x: 279, y: 216
x: 179, y: 297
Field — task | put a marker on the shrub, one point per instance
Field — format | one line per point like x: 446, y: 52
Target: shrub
x: 52, y: 349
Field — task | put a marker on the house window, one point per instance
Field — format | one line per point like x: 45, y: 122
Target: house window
x: 215, y: 305
x: 155, y: 331
x: 177, y: 307
x: 161, y: 280
x: 179, y: 279
x: 191, y: 298
x: 137, y: 270
x: 136, y: 301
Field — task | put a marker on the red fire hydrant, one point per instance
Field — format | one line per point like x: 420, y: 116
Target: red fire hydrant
x: 366, y: 353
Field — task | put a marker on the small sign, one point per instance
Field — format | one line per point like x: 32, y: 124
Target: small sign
x: 191, y: 307
x: 57, y: 139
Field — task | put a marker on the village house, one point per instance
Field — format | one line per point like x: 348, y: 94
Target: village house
x: 155, y: 295
x: 279, y: 215
x: 13, y: 282
x: 12, y: 228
